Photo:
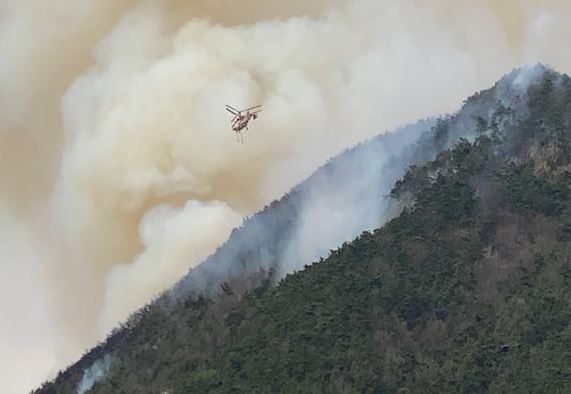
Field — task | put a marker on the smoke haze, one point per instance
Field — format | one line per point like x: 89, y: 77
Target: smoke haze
x: 118, y: 171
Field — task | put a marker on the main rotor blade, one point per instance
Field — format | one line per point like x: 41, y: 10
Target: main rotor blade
x: 232, y: 111
x: 257, y: 106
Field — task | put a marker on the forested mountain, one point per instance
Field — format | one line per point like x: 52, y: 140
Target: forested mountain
x: 466, y: 287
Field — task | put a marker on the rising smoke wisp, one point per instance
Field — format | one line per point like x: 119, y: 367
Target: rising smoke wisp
x: 96, y: 372
x: 117, y: 168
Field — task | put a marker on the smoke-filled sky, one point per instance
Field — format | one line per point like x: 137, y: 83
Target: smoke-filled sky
x: 118, y: 169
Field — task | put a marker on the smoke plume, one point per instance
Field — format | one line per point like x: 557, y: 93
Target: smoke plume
x: 96, y: 372
x: 118, y: 170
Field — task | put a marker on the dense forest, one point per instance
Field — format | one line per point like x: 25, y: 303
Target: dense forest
x: 466, y: 289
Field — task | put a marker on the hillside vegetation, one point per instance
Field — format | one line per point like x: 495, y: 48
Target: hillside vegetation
x: 467, y: 290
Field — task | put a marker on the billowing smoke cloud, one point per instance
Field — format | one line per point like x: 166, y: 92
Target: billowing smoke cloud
x: 165, y: 233
x: 118, y: 170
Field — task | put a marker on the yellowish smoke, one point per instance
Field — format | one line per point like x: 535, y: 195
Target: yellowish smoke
x: 118, y: 168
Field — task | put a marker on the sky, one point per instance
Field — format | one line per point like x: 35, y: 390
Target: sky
x: 118, y: 167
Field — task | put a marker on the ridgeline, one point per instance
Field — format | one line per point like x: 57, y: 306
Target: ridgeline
x: 467, y: 289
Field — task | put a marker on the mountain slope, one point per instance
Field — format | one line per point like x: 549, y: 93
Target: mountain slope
x: 412, y: 304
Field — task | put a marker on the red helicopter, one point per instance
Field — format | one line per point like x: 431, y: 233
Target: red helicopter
x: 242, y: 118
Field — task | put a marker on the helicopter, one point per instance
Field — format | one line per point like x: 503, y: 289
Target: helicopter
x: 242, y: 118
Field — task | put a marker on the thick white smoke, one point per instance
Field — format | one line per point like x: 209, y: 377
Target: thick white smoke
x: 118, y: 170
x: 171, y: 238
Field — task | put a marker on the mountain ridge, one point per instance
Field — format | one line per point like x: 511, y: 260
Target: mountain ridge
x: 442, y: 135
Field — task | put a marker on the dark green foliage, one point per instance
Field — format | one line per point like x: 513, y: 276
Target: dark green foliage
x: 529, y: 193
